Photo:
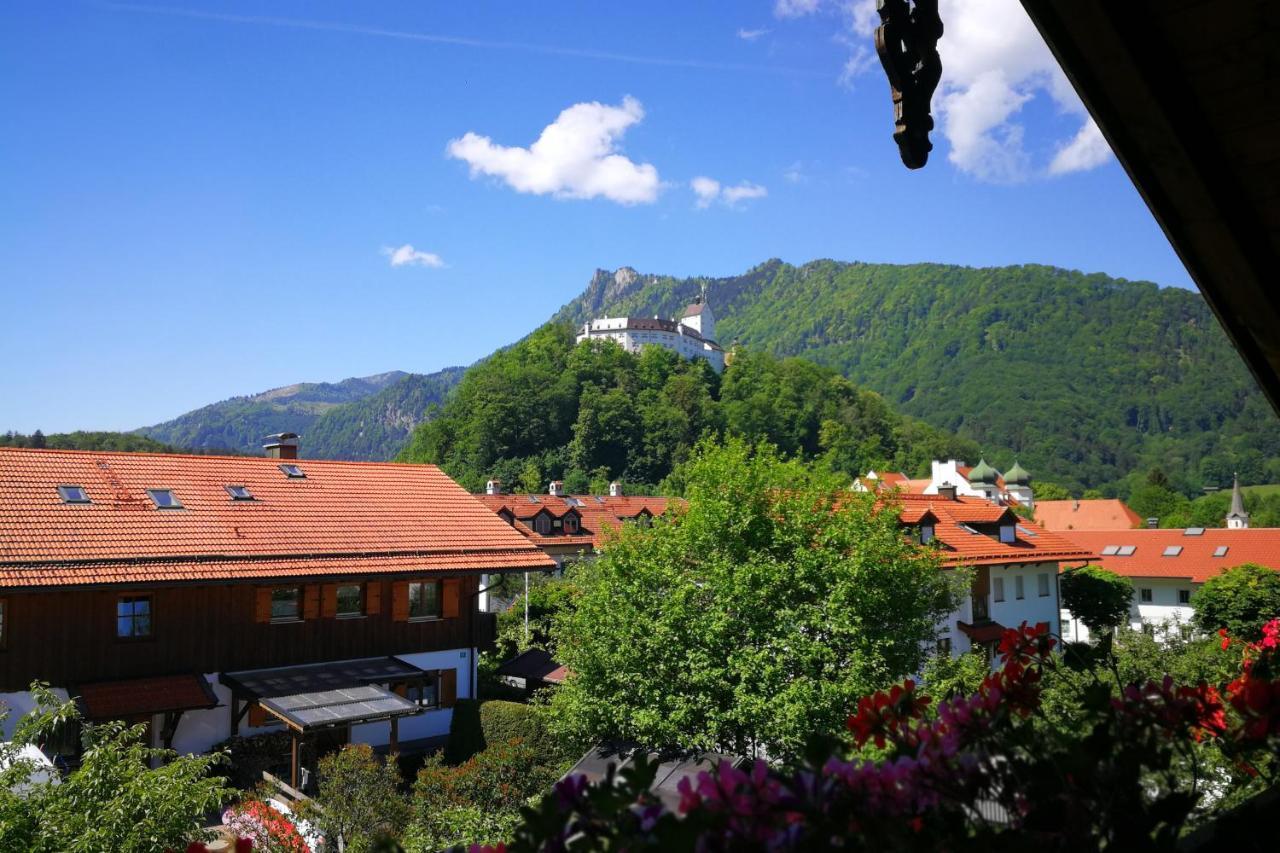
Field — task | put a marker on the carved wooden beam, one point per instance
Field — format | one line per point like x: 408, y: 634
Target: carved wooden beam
x: 907, y: 43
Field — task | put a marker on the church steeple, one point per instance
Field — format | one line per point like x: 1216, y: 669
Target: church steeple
x: 1237, y: 518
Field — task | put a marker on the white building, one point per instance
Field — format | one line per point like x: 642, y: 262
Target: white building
x: 979, y: 481
x: 692, y: 336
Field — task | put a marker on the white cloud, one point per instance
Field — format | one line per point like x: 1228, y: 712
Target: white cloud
x: 1086, y: 151
x: 861, y: 59
x: 407, y: 256
x: 795, y: 174
x: 709, y: 190
x: 993, y: 63
x: 795, y: 8
x: 576, y: 156
x: 752, y: 35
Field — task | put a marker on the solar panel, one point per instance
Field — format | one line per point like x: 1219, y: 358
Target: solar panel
x: 1126, y: 550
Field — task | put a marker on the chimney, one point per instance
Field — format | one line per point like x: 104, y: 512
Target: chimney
x: 1153, y: 523
x: 947, y: 492
x: 282, y: 445
x: 493, y: 487
x: 615, y: 489
x: 557, y: 488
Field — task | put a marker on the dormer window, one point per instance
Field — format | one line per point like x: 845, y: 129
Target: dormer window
x: 542, y: 524
x: 293, y: 472
x: 164, y: 499
x: 1008, y: 534
x: 571, y: 523
x: 927, y: 532
x: 239, y: 493
x: 73, y: 495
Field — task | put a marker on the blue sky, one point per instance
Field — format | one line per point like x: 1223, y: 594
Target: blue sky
x: 204, y: 200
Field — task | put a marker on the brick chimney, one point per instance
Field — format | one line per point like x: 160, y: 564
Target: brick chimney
x: 493, y: 487
x: 282, y: 445
x: 947, y: 492
x: 1153, y: 523
x: 615, y: 489
x: 557, y: 488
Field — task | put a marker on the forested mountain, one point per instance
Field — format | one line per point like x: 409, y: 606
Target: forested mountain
x: 1085, y: 378
x: 545, y: 409
x: 360, y: 418
x: 128, y: 442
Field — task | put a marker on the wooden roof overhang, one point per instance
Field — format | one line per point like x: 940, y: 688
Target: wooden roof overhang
x: 1187, y: 93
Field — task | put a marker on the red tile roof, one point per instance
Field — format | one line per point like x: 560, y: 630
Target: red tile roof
x: 1196, y: 561
x: 1099, y: 514
x: 599, y: 514
x: 342, y: 518
x: 120, y: 700
x: 964, y: 544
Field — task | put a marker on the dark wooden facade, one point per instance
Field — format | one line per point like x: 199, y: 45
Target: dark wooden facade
x: 68, y: 637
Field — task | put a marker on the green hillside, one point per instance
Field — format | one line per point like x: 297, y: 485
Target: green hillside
x: 1085, y: 378
x: 545, y: 409
x: 128, y: 442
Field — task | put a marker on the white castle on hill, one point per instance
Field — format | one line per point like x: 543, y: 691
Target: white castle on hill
x: 692, y: 336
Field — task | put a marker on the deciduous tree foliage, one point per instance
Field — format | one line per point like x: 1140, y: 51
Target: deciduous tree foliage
x: 1242, y: 600
x: 750, y: 620
x: 358, y: 800
x: 1098, y: 598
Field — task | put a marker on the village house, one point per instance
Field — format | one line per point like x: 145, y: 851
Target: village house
x: 1090, y: 514
x: 208, y: 595
x: 1166, y: 567
x: 1015, y: 565
x: 1012, y: 488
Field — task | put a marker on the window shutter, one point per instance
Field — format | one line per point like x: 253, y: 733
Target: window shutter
x: 448, y: 687
x: 449, y: 608
x: 311, y: 601
x: 262, y: 604
x: 400, y: 601
x: 373, y: 598
x: 329, y: 600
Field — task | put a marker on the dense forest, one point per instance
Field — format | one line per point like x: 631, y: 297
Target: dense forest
x: 546, y: 409
x: 1090, y: 381
x: 362, y: 418
x: 79, y: 440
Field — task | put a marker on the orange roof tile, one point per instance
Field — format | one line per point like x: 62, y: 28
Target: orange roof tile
x: 342, y: 518
x: 1196, y: 560
x: 598, y: 513
x: 121, y: 700
x: 964, y: 544
x: 1099, y: 514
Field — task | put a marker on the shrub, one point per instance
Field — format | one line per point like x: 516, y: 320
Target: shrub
x: 1240, y: 600
x: 466, y: 737
x: 358, y: 799
x: 506, y: 721
x: 268, y: 830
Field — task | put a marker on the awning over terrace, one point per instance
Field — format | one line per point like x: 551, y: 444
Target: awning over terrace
x: 136, y: 699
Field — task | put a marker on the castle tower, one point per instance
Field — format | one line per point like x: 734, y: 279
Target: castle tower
x: 698, y: 316
x: 1237, y: 518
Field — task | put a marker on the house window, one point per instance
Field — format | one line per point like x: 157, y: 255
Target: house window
x: 293, y: 472
x: 286, y: 604
x: 73, y: 494
x: 164, y: 499
x: 350, y: 600
x: 944, y: 647
x: 1007, y: 534
x: 1017, y: 587
x: 133, y: 617
x: 1144, y: 595
x: 426, y: 693
x: 1184, y: 596
x: 425, y: 599
x: 239, y: 493
x: 997, y: 587
x: 542, y: 524
x: 571, y: 523
x: 1042, y: 584
x: 926, y: 534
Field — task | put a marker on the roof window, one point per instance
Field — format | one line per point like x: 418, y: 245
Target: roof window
x: 1172, y: 550
x: 1221, y: 550
x: 239, y: 493
x: 73, y: 495
x: 164, y: 499
x: 293, y: 472
x: 1193, y: 531
x: 1126, y: 550
x: 1110, y: 550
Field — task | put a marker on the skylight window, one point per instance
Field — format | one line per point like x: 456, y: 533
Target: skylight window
x: 293, y: 472
x: 1025, y: 532
x: 1193, y: 531
x: 1221, y: 550
x: 1110, y: 550
x: 239, y: 493
x: 73, y: 495
x: 1173, y: 550
x: 1126, y: 550
x: 164, y: 499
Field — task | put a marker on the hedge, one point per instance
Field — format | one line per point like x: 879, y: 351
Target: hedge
x: 466, y: 737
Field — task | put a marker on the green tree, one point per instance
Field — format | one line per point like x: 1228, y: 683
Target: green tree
x: 114, y: 800
x: 1241, y: 599
x: 752, y: 619
x: 1098, y: 598
x: 358, y: 802
x: 1051, y: 492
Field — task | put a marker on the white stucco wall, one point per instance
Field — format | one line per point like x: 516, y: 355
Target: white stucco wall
x: 18, y: 705
x: 1162, y: 613
x: 1032, y: 608
x: 428, y: 723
